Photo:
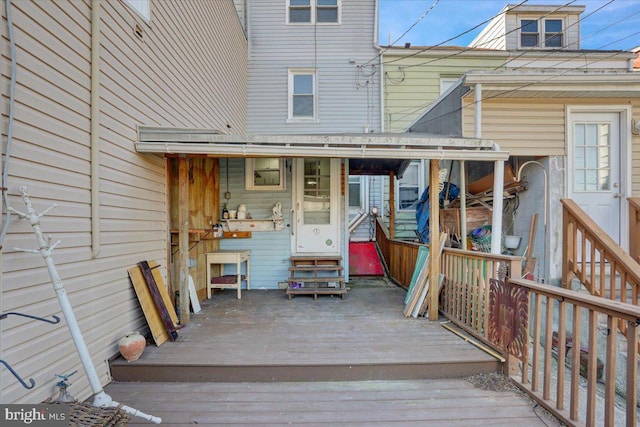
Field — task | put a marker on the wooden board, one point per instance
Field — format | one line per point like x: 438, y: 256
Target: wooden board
x: 158, y: 332
x: 193, y: 296
x: 422, y: 282
x: 421, y: 259
x: 159, y: 300
x: 423, y: 303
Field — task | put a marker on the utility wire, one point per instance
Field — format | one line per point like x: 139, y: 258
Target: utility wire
x: 426, y: 12
x: 418, y: 52
x: 467, y: 49
x: 522, y: 86
x: 564, y: 30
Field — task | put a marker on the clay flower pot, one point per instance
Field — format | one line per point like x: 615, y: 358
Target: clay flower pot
x: 131, y: 346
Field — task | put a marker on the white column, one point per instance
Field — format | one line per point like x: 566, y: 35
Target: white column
x: 496, y: 220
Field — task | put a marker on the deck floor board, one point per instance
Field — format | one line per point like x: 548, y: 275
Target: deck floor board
x: 267, y: 361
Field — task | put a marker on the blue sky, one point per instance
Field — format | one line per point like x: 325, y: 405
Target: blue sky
x: 449, y: 18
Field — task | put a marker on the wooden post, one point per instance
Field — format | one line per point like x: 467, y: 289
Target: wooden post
x: 183, y: 237
x: 434, y: 236
x: 392, y: 206
x: 463, y: 205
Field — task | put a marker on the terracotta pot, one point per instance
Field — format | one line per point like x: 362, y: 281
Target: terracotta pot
x: 131, y: 346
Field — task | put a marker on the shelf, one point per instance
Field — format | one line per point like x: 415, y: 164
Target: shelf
x: 268, y: 224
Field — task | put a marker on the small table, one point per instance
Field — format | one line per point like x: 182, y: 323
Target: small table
x: 236, y: 257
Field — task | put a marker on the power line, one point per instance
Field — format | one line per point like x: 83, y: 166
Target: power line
x: 426, y: 12
x: 441, y: 43
x: 467, y: 49
x: 524, y: 85
x: 582, y: 18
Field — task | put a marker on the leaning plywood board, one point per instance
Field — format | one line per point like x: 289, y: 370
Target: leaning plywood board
x: 421, y: 287
x: 422, y: 302
x: 421, y: 259
x: 158, y: 331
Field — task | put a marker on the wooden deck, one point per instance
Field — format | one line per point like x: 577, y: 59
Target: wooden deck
x: 267, y: 360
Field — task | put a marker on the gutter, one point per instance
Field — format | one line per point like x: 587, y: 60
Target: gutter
x: 95, y: 128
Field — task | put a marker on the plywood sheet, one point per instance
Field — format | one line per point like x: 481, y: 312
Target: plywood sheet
x: 158, y: 331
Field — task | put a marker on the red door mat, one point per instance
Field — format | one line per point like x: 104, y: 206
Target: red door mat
x: 364, y: 260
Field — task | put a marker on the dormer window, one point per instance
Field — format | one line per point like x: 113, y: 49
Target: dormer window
x: 553, y: 33
x: 530, y: 33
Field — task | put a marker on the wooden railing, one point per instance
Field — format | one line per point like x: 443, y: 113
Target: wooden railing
x: 596, y: 260
x: 399, y: 256
x: 556, y: 336
x: 634, y: 228
x: 465, y: 294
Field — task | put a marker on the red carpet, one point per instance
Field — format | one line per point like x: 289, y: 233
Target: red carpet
x: 363, y: 259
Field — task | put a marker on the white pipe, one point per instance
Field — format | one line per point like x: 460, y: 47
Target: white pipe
x: 357, y: 221
x: 95, y: 128
x: 546, y: 191
x: 478, y: 110
x: 498, y: 202
x: 463, y: 205
x: 101, y: 399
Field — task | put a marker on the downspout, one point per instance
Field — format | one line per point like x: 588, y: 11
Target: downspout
x: 376, y: 45
x: 95, y: 128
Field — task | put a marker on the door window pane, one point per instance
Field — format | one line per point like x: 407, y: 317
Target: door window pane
x: 317, y: 191
x: 592, y: 159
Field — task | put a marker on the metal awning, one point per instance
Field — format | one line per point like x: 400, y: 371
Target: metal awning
x: 384, y: 152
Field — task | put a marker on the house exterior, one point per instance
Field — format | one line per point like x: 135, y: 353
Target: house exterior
x: 553, y: 103
x: 312, y: 69
x: 155, y: 63
x: 414, y: 77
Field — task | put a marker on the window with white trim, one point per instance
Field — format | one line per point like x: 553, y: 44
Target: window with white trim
x: 302, y: 94
x: 264, y: 174
x: 313, y: 11
x: 410, y: 186
x: 551, y: 31
x: 142, y: 7
x: 447, y: 82
x: 355, y: 191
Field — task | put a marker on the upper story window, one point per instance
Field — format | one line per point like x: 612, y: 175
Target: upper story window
x: 302, y: 94
x: 530, y: 32
x: 313, y: 11
x: 142, y: 7
x: 553, y: 33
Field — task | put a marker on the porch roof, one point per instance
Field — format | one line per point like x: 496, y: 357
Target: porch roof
x: 372, y: 153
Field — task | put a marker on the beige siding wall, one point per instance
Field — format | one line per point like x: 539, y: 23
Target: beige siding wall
x: 635, y: 153
x: 529, y: 127
x: 412, y: 84
x: 188, y: 69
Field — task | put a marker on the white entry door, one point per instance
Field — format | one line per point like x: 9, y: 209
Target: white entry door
x: 595, y: 180
x: 316, y: 206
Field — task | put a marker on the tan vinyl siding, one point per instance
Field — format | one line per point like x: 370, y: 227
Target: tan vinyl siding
x: 635, y: 153
x: 531, y: 127
x: 188, y: 70
x: 412, y: 84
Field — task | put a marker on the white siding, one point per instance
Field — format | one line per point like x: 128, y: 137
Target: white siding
x: 187, y: 70
x: 274, y: 47
x: 493, y: 35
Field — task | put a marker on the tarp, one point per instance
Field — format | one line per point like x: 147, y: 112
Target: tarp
x: 423, y: 208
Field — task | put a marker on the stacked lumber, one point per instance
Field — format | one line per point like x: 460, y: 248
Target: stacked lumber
x: 416, y: 301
